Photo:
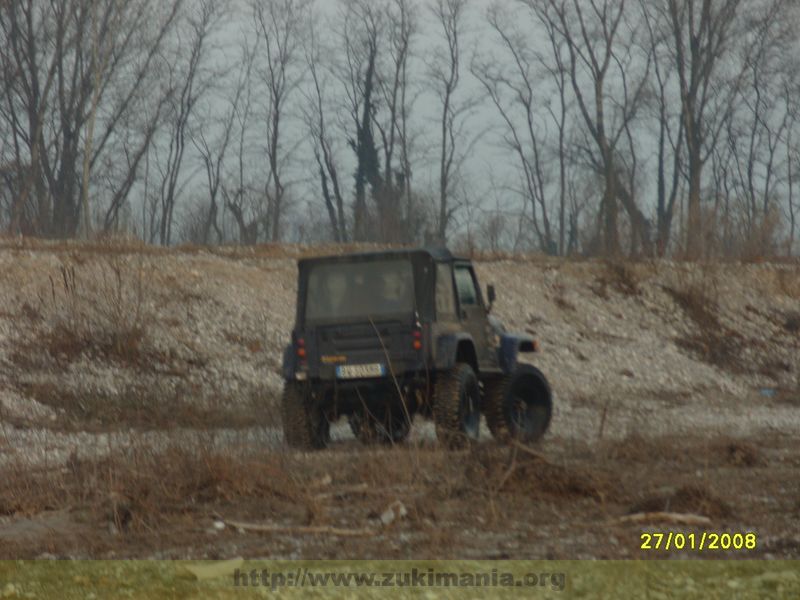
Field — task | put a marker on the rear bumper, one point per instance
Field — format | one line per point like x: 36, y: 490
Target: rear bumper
x: 347, y: 396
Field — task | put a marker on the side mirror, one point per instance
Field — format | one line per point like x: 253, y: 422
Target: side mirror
x: 491, y: 295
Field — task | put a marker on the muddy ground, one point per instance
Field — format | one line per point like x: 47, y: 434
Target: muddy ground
x: 137, y: 415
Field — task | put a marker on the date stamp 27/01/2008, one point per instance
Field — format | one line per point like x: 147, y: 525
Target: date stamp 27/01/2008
x: 700, y: 542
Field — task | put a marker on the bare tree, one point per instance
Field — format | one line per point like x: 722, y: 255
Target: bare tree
x: 523, y: 130
x: 360, y: 35
x: 445, y: 74
x: 317, y: 124
x: 190, y: 83
x: 280, y: 25
x: 670, y: 143
x: 393, y: 83
x: 600, y: 38
x: 792, y: 160
x: 243, y: 196
x: 377, y: 40
x: 703, y: 33
x: 100, y: 54
x: 213, y: 152
x: 556, y: 68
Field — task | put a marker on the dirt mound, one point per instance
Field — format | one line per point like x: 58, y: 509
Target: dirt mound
x: 522, y: 474
x: 741, y: 454
x: 694, y: 499
x: 537, y: 479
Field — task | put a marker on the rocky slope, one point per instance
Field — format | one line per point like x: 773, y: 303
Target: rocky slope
x: 101, y: 339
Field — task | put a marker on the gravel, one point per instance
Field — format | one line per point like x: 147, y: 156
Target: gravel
x: 214, y: 326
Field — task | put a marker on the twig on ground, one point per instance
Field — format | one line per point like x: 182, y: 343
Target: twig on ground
x: 310, y: 529
x: 512, y: 465
x: 530, y: 451
x: 667, y: 517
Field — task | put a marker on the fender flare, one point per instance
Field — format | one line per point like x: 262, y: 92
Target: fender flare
x: 447, y: 349
x: 511, y: 344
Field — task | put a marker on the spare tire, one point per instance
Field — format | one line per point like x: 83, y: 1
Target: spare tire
x: 519, y: 405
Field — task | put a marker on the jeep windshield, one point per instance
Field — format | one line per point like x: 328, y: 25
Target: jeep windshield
x: 361, y: 290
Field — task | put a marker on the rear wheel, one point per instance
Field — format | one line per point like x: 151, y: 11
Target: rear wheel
x: 305, y: 426
x: 518, y: 406
x: 456, y: 407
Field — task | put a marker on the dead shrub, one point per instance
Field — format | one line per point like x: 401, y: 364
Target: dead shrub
x: 710, y: 339
x: 97, y: 308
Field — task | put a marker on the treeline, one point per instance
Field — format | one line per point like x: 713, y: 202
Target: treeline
x: 610, y: 127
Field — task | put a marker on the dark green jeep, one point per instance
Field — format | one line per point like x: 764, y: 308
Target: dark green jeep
x: 381, y: 336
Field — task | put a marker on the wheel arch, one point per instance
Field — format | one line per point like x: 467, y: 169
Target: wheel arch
x: 452, y: 349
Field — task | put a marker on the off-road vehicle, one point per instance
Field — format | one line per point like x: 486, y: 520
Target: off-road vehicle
x: 381, y: 336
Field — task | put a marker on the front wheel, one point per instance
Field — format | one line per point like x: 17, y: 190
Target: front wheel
x: 456, y: 407
x: 519, y: 405
x: 305, y: 426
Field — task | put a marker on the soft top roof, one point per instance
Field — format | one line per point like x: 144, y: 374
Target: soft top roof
x: 438, y: 254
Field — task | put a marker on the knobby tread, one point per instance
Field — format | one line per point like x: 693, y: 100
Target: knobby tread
x: 447, y: 405
x: 496, y: 410
x: 301, y: 420
x: 494, y: 407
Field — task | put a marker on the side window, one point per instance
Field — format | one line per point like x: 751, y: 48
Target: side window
x: 467, y: 294
x: 445, y: 300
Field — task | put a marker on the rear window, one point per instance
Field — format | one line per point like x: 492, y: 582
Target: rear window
x: 364, y: 289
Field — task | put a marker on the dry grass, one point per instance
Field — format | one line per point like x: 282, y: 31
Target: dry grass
x: 788, y: 281
x: 138, y: 501
x: 137, y: 488
x: 252, y: 345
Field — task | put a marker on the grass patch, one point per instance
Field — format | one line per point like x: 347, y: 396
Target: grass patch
x: 146, y: 408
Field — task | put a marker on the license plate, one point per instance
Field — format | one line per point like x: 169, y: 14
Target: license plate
x: 360, y: 371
